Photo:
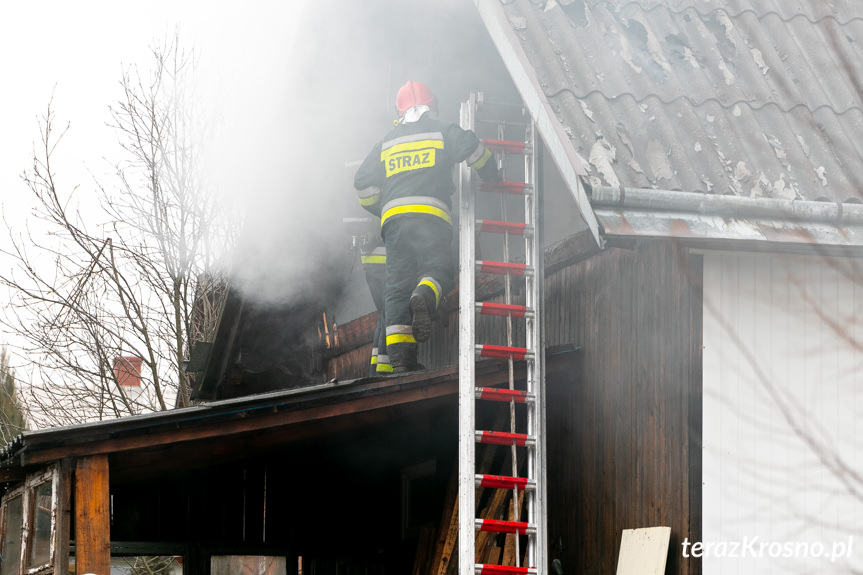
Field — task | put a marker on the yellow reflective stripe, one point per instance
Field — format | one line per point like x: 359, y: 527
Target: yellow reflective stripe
x: 411, y: 147
x: 370, y: 201
x: 385, y: 367
x: 373, y: 259
x: 476, y: 154
x: 400, y: 338
x: 482, y: 160
x: 416, y: 209
x: 374, y: 360
x: 434, y: 289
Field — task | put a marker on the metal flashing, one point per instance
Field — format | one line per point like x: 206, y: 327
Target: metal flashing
x: 694, y: 226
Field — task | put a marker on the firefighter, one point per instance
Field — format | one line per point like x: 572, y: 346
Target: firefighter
x: 407, y: 179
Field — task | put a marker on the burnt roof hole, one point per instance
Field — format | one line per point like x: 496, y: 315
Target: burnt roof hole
x: 676, y: 45
x: 575, y: 10
x: 637, y: 35
x: 726, y: 47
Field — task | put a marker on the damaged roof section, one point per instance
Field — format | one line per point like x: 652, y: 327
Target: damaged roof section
x: 756, y: 99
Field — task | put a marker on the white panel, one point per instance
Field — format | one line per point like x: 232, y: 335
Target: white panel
x: 783, y: 402
x: 711, y: 500
x: 643, y: 551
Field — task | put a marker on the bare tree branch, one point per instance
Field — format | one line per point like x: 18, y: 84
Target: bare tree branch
x: 153, y: 287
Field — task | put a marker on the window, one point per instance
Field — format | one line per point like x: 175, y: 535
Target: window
x: 12, y: 525
x: 419, y: 498
x: 27, y: 525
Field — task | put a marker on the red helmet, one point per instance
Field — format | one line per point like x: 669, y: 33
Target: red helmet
x: 413, y: 94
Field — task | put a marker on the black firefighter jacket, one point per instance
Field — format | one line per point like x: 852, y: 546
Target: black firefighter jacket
x: 409, y: 172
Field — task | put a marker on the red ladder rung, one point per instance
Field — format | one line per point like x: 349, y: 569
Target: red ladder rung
x: 504, y: 482
x: 504, y: 187
x: 499, y: 227
x: 498, y: 394
x: 486, y: 569
x: 503, y: 526
x: 502, y: 268
x: 503, y: 352
x: 504, y: 438
x: 508, y: 146
x: 501, y: 309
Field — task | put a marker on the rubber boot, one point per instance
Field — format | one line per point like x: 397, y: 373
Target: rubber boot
x: 422, y: 306
x: 403, y: 357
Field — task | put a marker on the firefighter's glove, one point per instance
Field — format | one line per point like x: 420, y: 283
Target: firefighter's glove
x: 489, y: 172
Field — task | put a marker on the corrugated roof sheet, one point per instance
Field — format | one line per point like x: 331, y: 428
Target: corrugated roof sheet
x: 760, y: 99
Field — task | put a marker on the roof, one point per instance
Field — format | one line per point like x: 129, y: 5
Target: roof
x: 236, y: 427
x: 219, y: 419
x: 760, y: 99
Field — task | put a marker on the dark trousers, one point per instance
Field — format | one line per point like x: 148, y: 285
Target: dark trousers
x: 418, y: 248
x: 376, y: 277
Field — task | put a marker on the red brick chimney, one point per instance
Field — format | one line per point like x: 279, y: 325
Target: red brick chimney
x: 127, y: 370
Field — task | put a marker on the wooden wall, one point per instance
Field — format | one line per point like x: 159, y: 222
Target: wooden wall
x: 624, y: 440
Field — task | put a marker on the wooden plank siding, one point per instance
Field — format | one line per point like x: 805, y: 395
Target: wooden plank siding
x: 620, y: 440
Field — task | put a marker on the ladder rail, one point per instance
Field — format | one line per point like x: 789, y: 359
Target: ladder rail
x: 466, y: 363
x: 533, y: 296
x: 542, y: 560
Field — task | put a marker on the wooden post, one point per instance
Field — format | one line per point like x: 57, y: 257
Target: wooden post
x: 63, y: 519
x: 92, y: 516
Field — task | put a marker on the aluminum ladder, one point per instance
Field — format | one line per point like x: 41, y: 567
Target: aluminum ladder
x: 525, y: 396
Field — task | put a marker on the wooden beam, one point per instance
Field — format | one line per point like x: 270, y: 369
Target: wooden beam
x: 570, y: 250
x: 12, y: 475
x: 92, y: 516
x: 509, y: 541
x: 448, y: 532
x: 484, y: 540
